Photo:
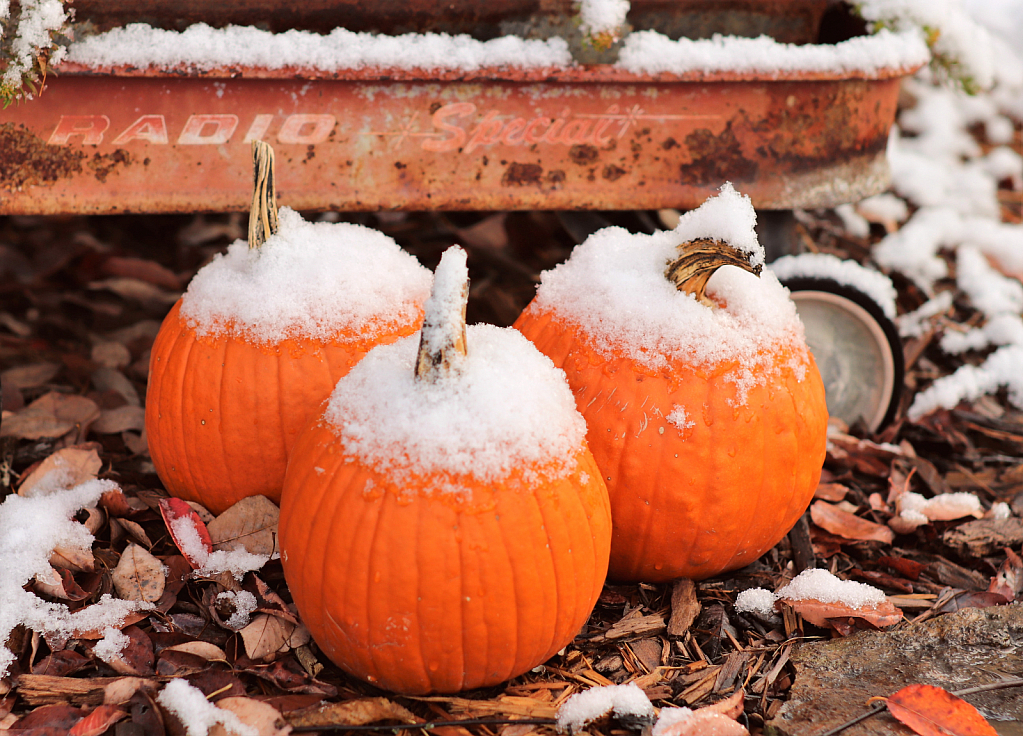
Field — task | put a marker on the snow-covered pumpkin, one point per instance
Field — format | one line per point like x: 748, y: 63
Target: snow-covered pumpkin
x: 443, y: 524
x: 255, y: 345
x: 705, y: 409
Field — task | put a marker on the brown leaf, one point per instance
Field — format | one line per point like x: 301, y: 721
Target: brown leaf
x: 352, y: 713
x: 139, y: 576
x: 137, y: 657
x: 732, y: 706
x: 173, y: 509
x: 136, y: 532
x: 932, y: 711
x: 684, y: 607
x: 143, y: 270
x: 63, y: 469
x: 266, y: 636
x: 848, y: 526
x: 73, y: 558
x: 266, y: 719
x: 60, y: 584
x: 831, y: 491
x: 1008, y: 582
x: 61, y: 663
x: 121, y: 419
x: 704, y: 722
x: 98, y: 721
x: 251, y: 524
x: 110, y: 354
x: 122, y: 689
x: 51, y: 415
x: 30, y: 376
x: 820, y: 613
x: 110, y: 380
x: 209, y: 652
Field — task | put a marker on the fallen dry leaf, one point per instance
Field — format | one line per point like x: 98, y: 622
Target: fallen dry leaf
x: 51, y: 415
x: 137, y: 657
x: 63, y: 469
x: 209, y: 652
x: 705, y: 723
x: 139, y: 576
x: 110, y: 354
x: 174, y: 508
x: 251, y: 523
x: 33, y: 375
x: 732, y: 706
x: 121, y: 689
x: 266, y: 719
x: 109, y: 379
x: 121, y: 419
x: 352, y: 713
x: 831, y: 491
x: 848, y: 526
x: 98, y: 721
x: 932, y: 711
x: 1008, y: 581
x: 266, y: 636
x: 821, y: 614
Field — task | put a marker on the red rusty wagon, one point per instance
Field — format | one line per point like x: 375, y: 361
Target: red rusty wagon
x: 115, y: 139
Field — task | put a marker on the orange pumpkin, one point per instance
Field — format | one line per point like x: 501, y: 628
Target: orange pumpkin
x: 711, y: 441
x: 226, y: 398
x: 430, y: 541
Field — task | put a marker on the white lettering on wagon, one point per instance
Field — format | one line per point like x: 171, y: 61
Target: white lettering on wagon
x: 452, y: 131
x: 198, y: 130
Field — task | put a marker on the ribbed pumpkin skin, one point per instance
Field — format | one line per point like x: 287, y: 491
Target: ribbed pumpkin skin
x: 421, y: 593
x: 709, y: 498
x: 223, y: 413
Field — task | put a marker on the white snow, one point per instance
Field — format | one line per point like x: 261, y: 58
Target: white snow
x: 205, y: 47
x: 109, y: 648
x: 614, y: 289
x: 669, y: 717
x: 867, y: 281
x: 30, y: 529
x: 508, y: 408
x: 1002, y: 369
x: 196, y: 713
x: 589, y: 705
x: 325, y: 281
x: 854, y: 223
x: 244, y: 604
x: 649, y: 52
x: 882, y: 208
x: 37, y: 19
x: 237, y: 561
x: 679, y: 418
x: 820, y: 585
x: 757, y: 601
x: 943, y: 507
x: 1001, y: 511
x: 912, y: 324
x: 602, y: 16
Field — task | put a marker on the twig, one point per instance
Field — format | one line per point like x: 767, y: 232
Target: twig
x: 431, y: 724
x: 878, y: 707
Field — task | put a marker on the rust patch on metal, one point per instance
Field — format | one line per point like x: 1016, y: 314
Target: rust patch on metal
x: 103, y: 164
x: 25, y: 160
x: 716, y: 158
x: 522, y: 175
x: 582, y: 154
x: 612, y: 172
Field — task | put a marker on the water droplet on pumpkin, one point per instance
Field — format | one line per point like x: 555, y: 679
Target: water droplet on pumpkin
x: 203, y: 421
x: 658, y: 566
x: 434, y: 666
x: 731, y: 451
x: 376, y: 577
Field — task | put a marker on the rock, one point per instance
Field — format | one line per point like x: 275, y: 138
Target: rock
x: 984, y: 536
x: 834, y: 679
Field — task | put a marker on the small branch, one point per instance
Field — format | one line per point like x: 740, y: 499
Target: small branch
x: 263, y: 212
x: 697, y: 261
x: 442, y: 348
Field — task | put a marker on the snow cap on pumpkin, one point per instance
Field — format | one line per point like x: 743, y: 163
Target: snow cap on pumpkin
x: 309, y: 280
x: 614, y: 288
x: 504, y: 407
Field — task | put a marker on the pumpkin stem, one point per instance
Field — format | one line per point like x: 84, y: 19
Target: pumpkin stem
x: 263, y: 213
x: 442, y: 348
x: 697, y: 261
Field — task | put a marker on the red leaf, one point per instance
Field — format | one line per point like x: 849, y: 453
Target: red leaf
x: 932, y: 711
x: 173, y: 509
x: 98, y: 721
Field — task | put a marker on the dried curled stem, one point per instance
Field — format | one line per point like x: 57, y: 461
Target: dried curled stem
x: 442, y: 348
x: 697, y: 261
x: 263, y: 213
